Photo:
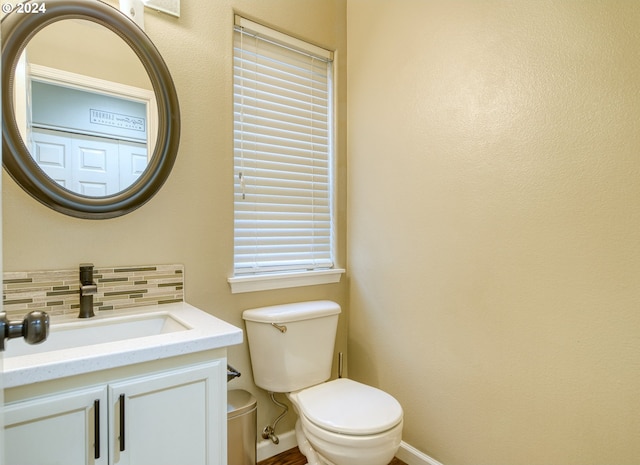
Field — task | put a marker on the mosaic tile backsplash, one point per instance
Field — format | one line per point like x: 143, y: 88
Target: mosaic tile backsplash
x: 58, y: 292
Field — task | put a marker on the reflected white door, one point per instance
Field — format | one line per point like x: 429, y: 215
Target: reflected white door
x: 83, y: 164
x: 93, y: 166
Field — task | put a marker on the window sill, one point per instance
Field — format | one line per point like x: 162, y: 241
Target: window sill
x: 265, y: 282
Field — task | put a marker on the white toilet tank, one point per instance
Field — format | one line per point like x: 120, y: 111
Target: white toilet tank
x: 291, y: 345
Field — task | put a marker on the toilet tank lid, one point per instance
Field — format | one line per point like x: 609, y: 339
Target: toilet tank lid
x: 288, y: 313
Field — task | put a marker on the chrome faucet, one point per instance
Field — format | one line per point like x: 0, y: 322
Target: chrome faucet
x: 87, y: 290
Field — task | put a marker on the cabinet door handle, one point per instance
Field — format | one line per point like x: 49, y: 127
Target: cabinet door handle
x: 122, y: 423
x: 96, y: 428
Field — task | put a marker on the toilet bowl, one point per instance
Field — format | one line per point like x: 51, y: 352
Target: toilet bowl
x: 341, y: 422
x: 347, y: 423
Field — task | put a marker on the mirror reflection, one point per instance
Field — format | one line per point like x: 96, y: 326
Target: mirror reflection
x: 85, y: 107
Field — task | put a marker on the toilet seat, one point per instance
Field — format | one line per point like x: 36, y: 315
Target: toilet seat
x: 347, y: 407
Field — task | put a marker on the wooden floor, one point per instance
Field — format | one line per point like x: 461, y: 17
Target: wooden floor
x: 294, y: 457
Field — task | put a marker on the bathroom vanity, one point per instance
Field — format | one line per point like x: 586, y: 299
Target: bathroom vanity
x: 141, y: 386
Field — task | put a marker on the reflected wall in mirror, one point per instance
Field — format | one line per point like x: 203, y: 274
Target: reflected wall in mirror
x: 91, y: 117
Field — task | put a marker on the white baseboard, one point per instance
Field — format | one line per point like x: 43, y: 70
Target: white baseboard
x: 266, y: 448
x: 408, y: 454
x: 412, y: 456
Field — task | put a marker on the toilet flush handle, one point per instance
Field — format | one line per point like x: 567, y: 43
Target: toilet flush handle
x: 281, y: 328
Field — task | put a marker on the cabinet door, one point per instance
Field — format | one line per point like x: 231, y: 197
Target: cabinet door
x: 177, y: 417
x: 62, y: 429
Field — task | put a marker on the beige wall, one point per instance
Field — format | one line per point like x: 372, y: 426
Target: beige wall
x: 190, y: 220
x: 494, y: 250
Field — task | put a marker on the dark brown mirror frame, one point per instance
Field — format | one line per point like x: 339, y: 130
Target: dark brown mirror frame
x: 17, y: 30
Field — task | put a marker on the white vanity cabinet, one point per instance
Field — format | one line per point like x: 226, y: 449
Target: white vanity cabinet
x: 166, y: 412
x: 169, y: 418
x: 58, y: 429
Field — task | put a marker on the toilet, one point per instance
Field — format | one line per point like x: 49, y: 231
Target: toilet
x: 341, y: 422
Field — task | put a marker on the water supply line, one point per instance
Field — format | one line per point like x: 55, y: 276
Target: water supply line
x: 269, y: 431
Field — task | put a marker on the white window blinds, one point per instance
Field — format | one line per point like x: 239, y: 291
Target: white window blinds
x: 282, y: 152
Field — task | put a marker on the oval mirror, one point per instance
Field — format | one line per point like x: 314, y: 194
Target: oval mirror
x: 91, y: 121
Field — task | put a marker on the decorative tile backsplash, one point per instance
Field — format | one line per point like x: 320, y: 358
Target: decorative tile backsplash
x: 58, y: 292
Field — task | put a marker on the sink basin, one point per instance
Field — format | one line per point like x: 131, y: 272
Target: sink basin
x: 80, y: 333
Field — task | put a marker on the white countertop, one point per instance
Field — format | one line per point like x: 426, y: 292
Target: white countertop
x: 204, y: 332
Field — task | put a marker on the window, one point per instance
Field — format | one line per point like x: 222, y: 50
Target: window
x: 282, y: 154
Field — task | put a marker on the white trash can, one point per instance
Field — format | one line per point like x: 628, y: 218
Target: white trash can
x: 242, y: 426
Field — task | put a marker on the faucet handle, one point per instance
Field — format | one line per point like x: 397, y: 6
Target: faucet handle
x: 88, y: 289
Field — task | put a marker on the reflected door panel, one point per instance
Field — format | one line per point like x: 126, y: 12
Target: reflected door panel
x: 92, y: 166
x: 133, y: 161
x: 53, y: 155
